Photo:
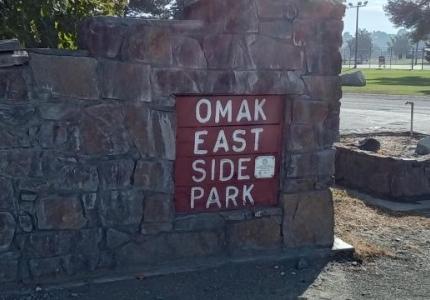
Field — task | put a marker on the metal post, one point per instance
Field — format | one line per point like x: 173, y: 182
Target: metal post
x: 422, y: 59
x: 356, y: 39
x: 357, y: 6
x: 413, y: 55
x: 412, y: 104
x: 391, y: 55
x: 370, y: 57
x: 416, y: 54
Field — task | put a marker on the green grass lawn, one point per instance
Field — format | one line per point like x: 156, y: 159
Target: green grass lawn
x: 393, y: 82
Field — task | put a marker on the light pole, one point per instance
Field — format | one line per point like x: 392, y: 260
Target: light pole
x: 357, y: 6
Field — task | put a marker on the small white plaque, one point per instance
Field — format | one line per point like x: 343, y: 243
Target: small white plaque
x: 265, y: 167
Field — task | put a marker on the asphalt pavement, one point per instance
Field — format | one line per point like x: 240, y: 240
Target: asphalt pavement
x: 366, y: 113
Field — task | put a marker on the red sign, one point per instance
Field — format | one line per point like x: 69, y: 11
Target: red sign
x: 228, y: 152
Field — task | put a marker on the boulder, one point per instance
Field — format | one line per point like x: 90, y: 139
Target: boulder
x: 353, y: 79
x: 423, y: 147
x: 369, y: 144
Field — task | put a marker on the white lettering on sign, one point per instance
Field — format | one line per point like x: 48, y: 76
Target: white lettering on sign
x: 226, y: 181
x: 223, y: 112
x: 235, y: 141
x: 205, y: 112
x: 232, y: 195
x: 198, y: 140
x: 199, y: 116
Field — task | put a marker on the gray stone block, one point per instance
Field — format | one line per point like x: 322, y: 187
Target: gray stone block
x: 102, y: 130
x: 256, y: 234
x: 9, y: 267
x: 118, y: 208
x: 158, y: 208
x: 153, y: 132
x: 308, y: 219
x: 13, y: 59
x: 201, y: 222
x: 6, y: 197
x: 274, y: 54
x: 116, y: 174
x: 115, y: 238
x: 155, y: 176
x: 66, y: 76
x: 7, y: 230
x: 14, y: 84
x: 126, y: 81
x: 9, y: 45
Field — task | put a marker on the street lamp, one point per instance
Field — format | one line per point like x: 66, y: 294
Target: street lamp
x: 357, y: 6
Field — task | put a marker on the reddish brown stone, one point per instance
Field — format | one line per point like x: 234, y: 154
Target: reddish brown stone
x: 102, y: 36
x: 57, y: 212
x: 149, y: 44
x: 188, y: 53
x: 270, y: 9
x: 225, y: 82
x: 207, y: 10
x: 308, y: 219
x: 167, y: 82
x: 241, y: 17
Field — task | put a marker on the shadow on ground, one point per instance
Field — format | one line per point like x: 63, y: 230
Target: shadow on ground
x: 269, y: 280
x: 392, y: 207
x: 404, y: 81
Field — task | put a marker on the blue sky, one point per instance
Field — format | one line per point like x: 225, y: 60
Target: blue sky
x: 372, y: 18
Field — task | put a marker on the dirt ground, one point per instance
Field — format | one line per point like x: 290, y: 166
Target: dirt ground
x: 392, y: 261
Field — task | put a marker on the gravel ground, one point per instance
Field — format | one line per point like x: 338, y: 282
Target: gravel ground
x: 396, y: 146
x: 391, y: 262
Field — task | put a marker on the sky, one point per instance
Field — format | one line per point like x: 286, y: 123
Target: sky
x: 372, y: 17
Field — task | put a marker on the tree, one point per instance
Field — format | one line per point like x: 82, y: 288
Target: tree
x: 411, y: 14
x: 364, y: 44
x: 400, y: 44
x: 51, y: 23
x: 163, y: 9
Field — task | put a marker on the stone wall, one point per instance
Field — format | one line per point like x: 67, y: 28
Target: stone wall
x: 402, y: 179
x: 88, y: 137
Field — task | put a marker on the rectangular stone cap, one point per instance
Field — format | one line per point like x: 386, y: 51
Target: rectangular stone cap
x: 9, y: 45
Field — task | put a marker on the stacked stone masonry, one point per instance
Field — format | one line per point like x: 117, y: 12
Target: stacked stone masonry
x: 87, y: 137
